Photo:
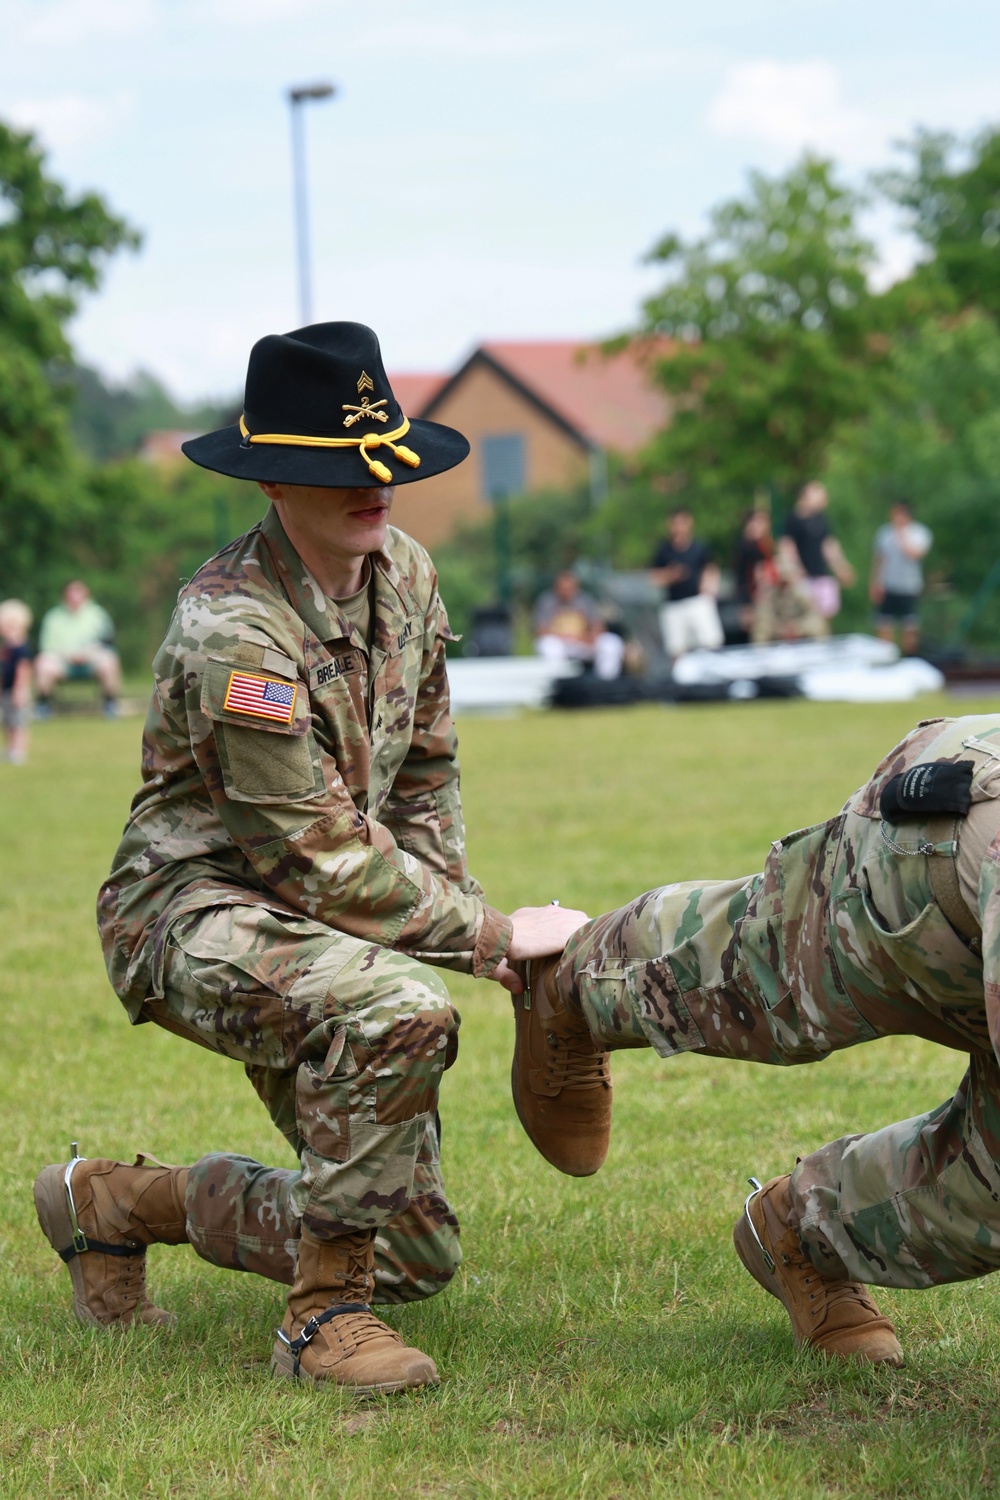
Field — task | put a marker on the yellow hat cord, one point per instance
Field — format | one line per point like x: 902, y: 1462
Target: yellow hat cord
x: 370, y: 440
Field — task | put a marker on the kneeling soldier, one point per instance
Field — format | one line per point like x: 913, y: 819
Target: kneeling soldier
x: 885, y: 920
x: 294, y: 859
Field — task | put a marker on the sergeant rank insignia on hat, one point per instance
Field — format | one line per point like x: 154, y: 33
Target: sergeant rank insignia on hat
x: 367, y: 408
x: 261, y: 697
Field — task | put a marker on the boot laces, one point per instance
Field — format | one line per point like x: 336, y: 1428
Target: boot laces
x: 362, y: 1328
x: 132, y: 1283
x: 829, y: 1293
x: 357, y: 1285
x: 573, y: 1062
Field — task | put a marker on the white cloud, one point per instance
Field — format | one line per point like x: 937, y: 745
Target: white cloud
x: 58, y: 24
x: 71, y: 121
x: 793, y: 105
x: 250, y: 13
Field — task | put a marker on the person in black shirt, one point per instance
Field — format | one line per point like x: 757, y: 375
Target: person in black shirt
x: 682, y: 566
x: 809, y: 540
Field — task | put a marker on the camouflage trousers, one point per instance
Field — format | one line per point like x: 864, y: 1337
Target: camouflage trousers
x: 912, y: 1205
x: 345, y: 1043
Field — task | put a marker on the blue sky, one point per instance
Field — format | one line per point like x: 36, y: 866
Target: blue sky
x: 487, y: 170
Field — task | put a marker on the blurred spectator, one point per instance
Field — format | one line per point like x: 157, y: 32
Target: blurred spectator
x: 15, y: 678
x: 897, y: 579
x: 76, y: 642
x: 752, y: 556
x: 683, y: 567
x: 784, y: 609
x: 809, y: 538
x: 569, y: 626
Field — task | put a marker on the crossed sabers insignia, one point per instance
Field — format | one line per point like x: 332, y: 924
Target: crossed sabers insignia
x: 367, y: 408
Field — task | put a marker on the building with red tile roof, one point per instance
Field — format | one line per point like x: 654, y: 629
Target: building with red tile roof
x: 414, y: 392
x: 539, y: 415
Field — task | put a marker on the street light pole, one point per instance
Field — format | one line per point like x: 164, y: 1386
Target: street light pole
x: 296, y: 98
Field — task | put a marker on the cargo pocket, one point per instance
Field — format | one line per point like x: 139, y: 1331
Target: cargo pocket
x: 661, y: 1009
x: 924, y: 961
x: 210, y: 999
x: 778, y: 1024
x: 323, y: 1099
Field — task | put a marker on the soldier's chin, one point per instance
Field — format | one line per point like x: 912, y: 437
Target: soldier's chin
x: 366, y: 530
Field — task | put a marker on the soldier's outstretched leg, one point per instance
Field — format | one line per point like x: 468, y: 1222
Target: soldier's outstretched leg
x: 692, y: 967
x: 672, y: 970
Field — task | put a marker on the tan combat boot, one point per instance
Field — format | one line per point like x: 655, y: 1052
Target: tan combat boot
x: 330, y: 1333
x: 99, y: 1216
x: 560, y: 1078
x: 832, y: 1316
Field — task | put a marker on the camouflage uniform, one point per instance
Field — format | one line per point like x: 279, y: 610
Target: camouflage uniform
x: 289, y: 868
x: 842, y: 938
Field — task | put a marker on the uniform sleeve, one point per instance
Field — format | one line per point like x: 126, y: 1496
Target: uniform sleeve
x: 283, y: 801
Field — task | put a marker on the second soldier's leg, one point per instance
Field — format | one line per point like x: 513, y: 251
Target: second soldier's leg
x: 915, y: 1204
x: 666, y: 971
x: 672, y: 970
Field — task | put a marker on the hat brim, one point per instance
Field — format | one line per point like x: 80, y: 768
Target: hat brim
x: 225, y: 452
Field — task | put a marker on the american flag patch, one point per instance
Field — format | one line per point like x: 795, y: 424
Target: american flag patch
x: 263, y: 697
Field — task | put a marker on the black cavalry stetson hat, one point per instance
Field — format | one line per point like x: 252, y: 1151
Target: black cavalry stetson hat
x: 318, y: 409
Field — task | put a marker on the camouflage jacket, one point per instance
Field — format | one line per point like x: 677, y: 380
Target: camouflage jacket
x: 282, y: 766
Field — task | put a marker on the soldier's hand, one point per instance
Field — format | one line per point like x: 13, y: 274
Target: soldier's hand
x: 538, y: 931
x: 504, y: 974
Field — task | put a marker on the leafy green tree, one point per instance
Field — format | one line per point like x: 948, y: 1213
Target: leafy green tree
x: 776, y: 344
x: 53, y: 247
x: 932, y: 436
x: 110, y: 421
x: 954, y: 209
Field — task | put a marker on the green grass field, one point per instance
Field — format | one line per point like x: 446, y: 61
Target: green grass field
x: 601, y: 1339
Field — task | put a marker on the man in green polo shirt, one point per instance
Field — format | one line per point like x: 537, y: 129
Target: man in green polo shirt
x: 76, y: 641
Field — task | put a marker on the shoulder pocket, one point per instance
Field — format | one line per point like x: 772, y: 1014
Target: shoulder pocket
x: 266, y: 753
x: 266, y: 767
